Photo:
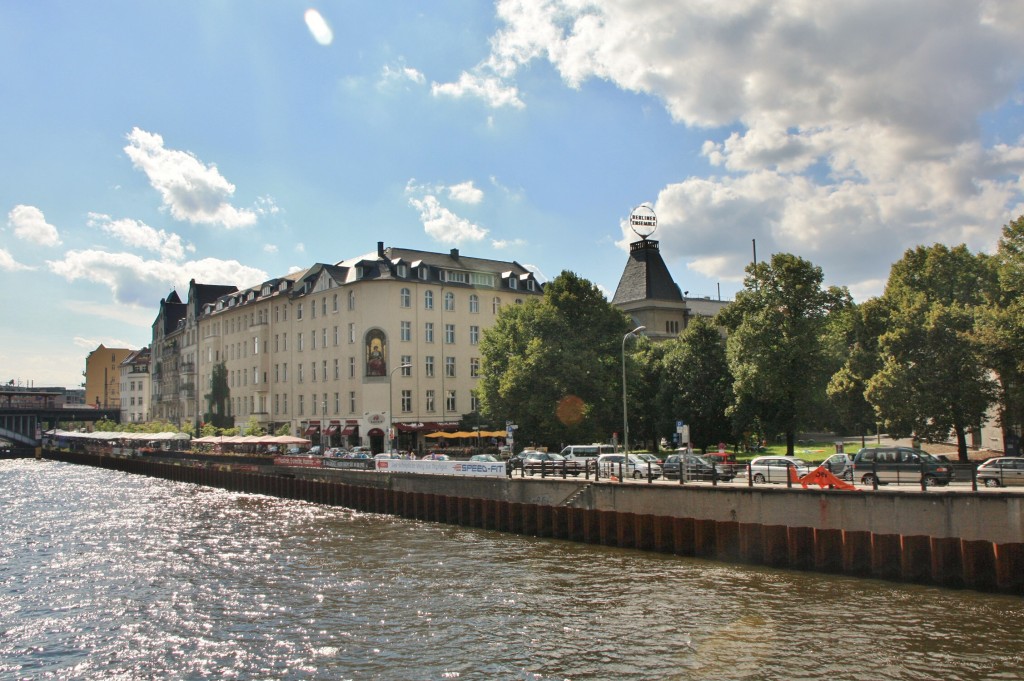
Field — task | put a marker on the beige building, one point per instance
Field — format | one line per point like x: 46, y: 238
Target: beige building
x: 103, y: 377
x: 135, y: 387
x: 340, y: 352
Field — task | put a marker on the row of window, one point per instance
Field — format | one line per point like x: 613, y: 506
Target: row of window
x: 241, y: 377
x: 318, y: 404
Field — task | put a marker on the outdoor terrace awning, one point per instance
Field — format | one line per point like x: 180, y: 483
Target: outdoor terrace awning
x: 331, y: 430
x: 347, y: 430
x: 312, y: 430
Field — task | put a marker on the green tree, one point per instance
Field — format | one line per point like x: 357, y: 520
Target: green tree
x: 697, y: 386
x: 932, y: 377
x: 253, y: 427
x: 218, y: 399
x: 552, y: 365
x: 776, y: 349
x: 1001, y: 331
x: 857, y: 338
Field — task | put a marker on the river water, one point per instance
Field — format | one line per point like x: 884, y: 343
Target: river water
x: 105, y: 575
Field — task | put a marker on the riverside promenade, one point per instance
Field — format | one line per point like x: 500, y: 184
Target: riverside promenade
x: 957, y: 539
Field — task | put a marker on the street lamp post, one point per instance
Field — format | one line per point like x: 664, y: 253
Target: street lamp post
x: 625, y: 418
x: 391, y: 420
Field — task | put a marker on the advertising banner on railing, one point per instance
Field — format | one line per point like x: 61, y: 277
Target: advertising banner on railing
x: 488, y: 468
x: 302, y: 461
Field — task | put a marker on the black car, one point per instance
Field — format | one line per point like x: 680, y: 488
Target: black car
x: 695, y: 467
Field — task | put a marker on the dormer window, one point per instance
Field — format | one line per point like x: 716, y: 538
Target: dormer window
x: 530, y: 285
x: 266, y: 290
x: 403, y: 271
x: 512, y: 283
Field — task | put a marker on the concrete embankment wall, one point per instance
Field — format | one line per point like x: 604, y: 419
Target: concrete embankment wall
x: 954, y: 539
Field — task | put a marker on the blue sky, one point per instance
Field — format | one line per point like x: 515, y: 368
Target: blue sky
x: 146, y: 144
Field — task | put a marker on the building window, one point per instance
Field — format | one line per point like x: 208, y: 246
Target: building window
x: 337, y: 371
x: 334, y: 306
x: 449, y: 301
x: 351, y: 367
x: 323, y: 306
x: 430, y: 401
x: 428, y: 332
x: 351, y: 333
x: 352, y: 402
x: 474, y: 335
x: 284, y: 342
x: 449, y: 367
x: 300, y: 341
x: 302, y: 405
x: 449, y: 333
x: 312, y: 339
x: 337, y: 403
x: 449, y: 401
x: 474, y: 303
x: 335, y: 336
x: 351, y: 300
x: 312, y: 371
x: 405, y: 331
x: 407, y: 365
x: 406, y: 401
x: 428, y: 366
x: 323, y: 368
x: 298, y: 316
x: 428, y: 300
x: 474, y: 403
x: 300, y: 372
x: 404, y: 298
x: 284, y: 372
x: 312, y: 312
x: 474, y: 367
x: 496, y: 305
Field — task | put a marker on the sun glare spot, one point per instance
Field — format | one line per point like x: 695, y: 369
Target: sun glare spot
x: 318, y: 27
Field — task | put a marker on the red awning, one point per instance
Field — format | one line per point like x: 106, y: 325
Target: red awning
x: 312, y: 430
x: 331, y: 430
x: 347, y: 430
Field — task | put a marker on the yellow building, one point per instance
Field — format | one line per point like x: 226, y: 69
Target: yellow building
x: 103, y: 377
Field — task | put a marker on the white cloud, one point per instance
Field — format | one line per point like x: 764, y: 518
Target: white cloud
x: 494, y: 91
x: 140, y: 235
x: 133, y: 280
x: 9, y: 264
x: 269, y: 248
x: 318, y: 27
x: 192, y: 191
x: 30, y: 224
x: 443, y: 225
x: 848, y: 132
x: 502, y: 244
x: 400, y: 74
x: 465, y: 192
x: 136, y: 315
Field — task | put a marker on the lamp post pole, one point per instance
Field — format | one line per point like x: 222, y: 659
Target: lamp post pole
x: 391, y: 420
x: 625, y: 418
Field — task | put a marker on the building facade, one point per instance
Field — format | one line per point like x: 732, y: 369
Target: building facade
x: 650, y: 296
x: 135, y: 387
x: 103, y: 377
x: 347, y: 353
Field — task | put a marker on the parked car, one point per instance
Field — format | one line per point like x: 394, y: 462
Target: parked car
x: 900, y: 464
x: 776, y: 468
x: 388, y: 455
x: 650, y: 457
x: 356, y: 455
x: 839, y: 465
x: 484, y: 457
x: 1002, y: 471
x: 336, y: 452
x: 637, y: 468
x: 550, y: 463
x: 695, y: 467
x: 586, y: 455
x: 314, y: 450
x: 434, y: 456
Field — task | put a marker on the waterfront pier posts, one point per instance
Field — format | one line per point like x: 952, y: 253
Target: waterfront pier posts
x: 704, y: 538
x: 683, y: 536
x: 643, y: 531
x: 828, y: 550
x: 624, y: 530
x: 1009, y: 560
x: 608, y: 533
x: 801, y: 547
x: 979, y: 564
x: 727, y: 540
x: 751, y: 545
x: 775, y: 540
x: 885, y: 556
x: 915, y: 558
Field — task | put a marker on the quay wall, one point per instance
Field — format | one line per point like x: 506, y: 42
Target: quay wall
x: 952, y: 539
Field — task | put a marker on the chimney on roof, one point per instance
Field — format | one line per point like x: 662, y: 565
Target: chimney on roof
x: 455, y: 253
x: 380, y: 249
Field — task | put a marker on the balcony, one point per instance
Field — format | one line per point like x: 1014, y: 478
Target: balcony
x: 187, y: 367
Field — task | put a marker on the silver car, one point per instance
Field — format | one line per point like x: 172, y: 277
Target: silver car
x: 776, y: 468
x: 1002, y: 471
x: 636, y: 468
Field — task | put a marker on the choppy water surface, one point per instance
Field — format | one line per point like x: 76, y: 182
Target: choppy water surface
x: 114, y: 576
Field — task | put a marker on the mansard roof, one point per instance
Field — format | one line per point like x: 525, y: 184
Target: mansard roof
x: 646, y: 277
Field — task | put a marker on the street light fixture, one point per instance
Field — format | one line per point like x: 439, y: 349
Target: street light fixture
x: 625, y: 419
x: 391, y: 420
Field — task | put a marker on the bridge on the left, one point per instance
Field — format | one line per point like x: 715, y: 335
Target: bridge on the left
x: 24, y: 426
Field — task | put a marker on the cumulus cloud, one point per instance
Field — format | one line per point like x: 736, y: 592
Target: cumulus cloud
x: 133, y: 280
x: 29, y: 224
x: 465, y: 192
x: 190, y: 190
x: 443, y: 225
x: 9, y: 264
x: 851, y: 130
x: 138, y: 234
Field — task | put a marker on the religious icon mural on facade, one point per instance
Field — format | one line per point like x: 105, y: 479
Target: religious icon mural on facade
x: 376, y: 353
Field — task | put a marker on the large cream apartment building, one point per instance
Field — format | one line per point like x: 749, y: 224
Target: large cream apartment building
x: 339, y: 353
